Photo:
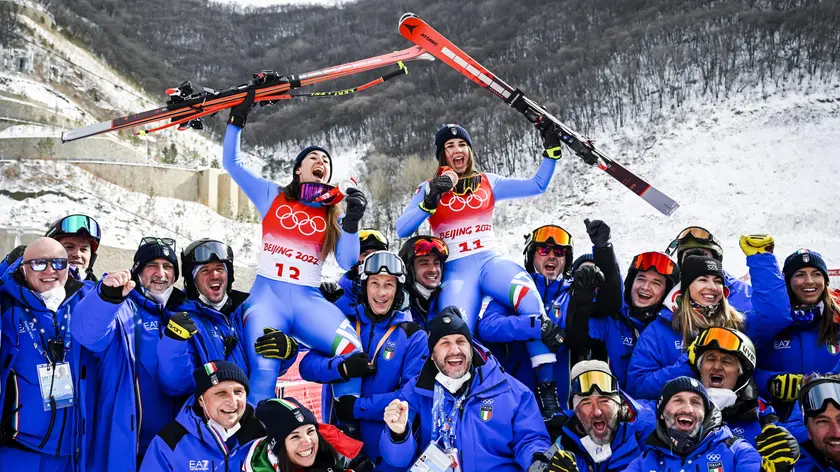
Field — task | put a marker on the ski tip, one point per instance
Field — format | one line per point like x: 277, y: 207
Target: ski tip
x: 407, y: 16
x: 670, y: 209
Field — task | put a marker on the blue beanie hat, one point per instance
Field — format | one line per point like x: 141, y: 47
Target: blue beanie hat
x: 804, y: 258
x: 682, y: 384
x: 580, y: 260
x: 447, y: 132
x: 305, y: 152
x: 146, y: 253
x: 449, y: 320
x: 216, y: 372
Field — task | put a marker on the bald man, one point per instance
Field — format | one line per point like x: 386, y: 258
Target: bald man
x: 43, y: 412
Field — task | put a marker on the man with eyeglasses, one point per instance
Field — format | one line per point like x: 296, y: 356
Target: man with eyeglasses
x: 533, y: 348
x: 345, y: 293
x: 424, y: 258
x: 393, y: 351
x: 208, y: 325
x: 695, y: 240
x: 44, y: 374
x: 819, y: 400
x: 123, y: 321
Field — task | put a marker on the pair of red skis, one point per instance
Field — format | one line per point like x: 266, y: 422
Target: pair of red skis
x: 186, y: 107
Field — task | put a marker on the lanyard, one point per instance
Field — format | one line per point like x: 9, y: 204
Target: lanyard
x: 443, y: 426
x: 64, y: 337
x: 381, y: 341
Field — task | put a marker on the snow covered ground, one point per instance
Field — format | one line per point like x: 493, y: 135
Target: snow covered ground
x: 268, y: 3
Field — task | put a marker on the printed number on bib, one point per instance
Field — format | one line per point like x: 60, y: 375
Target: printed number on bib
x: 468, y: 246
x: 294, y: 272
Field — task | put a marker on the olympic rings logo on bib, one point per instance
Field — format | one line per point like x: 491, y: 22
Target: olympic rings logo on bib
x: 474, y: 200
x: 301, y: 220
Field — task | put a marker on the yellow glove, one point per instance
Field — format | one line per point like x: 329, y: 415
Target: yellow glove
x: 785, y: 387
x: 778, y: 448
x: 692, y: 348
x: 563, y: 461
x: 753, y: 244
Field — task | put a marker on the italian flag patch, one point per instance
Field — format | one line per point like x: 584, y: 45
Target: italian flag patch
x: 833, y: 349
x: 486, y: 413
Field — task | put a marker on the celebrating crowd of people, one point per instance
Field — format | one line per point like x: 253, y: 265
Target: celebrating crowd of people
x: 440, y: 356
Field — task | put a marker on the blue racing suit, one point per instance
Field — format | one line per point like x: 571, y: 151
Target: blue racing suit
x: 474, y: 268
x: 285, y: 295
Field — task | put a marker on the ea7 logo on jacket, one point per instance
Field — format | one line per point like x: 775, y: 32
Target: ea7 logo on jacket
x: 24, y: 324
x: 150, y: 325
x: 678, y: 344
x: 628, y: 341
x: 782, y: 344
x: 203, y: 465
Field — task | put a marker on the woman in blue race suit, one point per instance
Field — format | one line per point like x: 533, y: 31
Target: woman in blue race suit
x: 297, y: 234
x: 459, y: 204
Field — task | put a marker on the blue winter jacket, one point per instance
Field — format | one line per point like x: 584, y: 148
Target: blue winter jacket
x: 626, y: 444
x: 659, y: 355
x: 500, y: 427
x: 347, y: 302
x: 812, y: 460
x: 718, y: 451
x: 188, y: 443
x: 747, y: 416
x: 400, y: 359
x: 505, y: 333
x: 181, y: 358
x: 58, y: 432
x: 740, y: 292
x: 619, y: 334
x: 124, y: 334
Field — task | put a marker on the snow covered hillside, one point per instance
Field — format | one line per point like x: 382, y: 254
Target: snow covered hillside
x: 758, y: 163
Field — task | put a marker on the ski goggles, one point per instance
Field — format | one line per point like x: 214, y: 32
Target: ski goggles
x: 692, y: 232
x: 588, y: 382
x: 658, y: 261
x: 40, y: 265
x: 211, y: 251
x: 725, y: 340
x: 550, y: 234
x: 162, y: 241
x: 546, y: 249
x: 424, y: 247
x: 367, y: 234
x: 325, y: 194
x: 384, y: 261
x: 75, y: 224
x: 815, y: 396
x: 467, y: 184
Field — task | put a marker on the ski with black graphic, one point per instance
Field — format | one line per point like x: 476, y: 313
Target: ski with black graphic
x: 187, y: 104
x: 420, y: 33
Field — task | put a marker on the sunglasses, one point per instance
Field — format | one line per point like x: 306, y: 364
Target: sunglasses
x: 40, y: 265
x: 424, y: 247
x: 162, y: 241
x: 545, y: 250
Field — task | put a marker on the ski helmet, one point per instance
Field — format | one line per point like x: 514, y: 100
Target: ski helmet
x: 659, y: 262
x: 201, y: 252
x: 380, y: 262
x: 447, y: 132
x: 549, y: 234
x: 372, y: 240
x: 730, y: 341
x: 78, y: 225
x: 421, y: 246
x: 695, y: 237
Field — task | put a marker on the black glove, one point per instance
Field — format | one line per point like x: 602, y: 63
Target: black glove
x: 357, y: 365
x: 344, y: 408
x: 552, y: 335
x: 588, y: 277
x: 778, y: 448
x: 563, y: 461
x: 275, y: 344
x: 239, y: 113
x: 599, y: 232
x: 539, y: 462
x: 551, y: 142
x: 437, y: 187
x: 16, y: 254
x: 180, y: 327
x: 356, y: 204
x: 331, y: 291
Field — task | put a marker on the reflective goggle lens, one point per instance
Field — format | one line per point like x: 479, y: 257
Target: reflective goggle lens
x: 554, y: 234
x: 383, y: 261
x: 726, y: 341
x: 467, y: 184
x: 40, y: 265
x: 817, y: 394
x: 212, y: 250
x: 696, y: 232
x: 321, y: 193
x: 424, y: 247
x: 587, y: 382
x: 558, y: 251
x: 656, y: 260
x: 75, y: 223
x: 372, y: 233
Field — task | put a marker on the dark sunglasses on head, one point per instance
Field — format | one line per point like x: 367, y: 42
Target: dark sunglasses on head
x: 40, y: 265
x: 558, y: 251
x: 153, y: 240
